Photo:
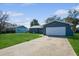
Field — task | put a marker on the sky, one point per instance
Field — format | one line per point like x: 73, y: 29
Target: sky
x: 24, y: 13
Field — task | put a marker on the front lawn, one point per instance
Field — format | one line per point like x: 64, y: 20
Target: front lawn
x: 7, y: 40
x: 74, y: 41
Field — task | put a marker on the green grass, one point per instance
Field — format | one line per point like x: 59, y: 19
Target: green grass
x: 74, y: 41
x: 11, y: 39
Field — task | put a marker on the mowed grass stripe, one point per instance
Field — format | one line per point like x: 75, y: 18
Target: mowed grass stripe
x: 74, y: 41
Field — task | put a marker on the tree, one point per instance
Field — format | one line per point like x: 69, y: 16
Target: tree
x: 34, y: 22
x: 51, y: 19
x: 72, y: 18
x: 73, y: 13
x: 3, y: 19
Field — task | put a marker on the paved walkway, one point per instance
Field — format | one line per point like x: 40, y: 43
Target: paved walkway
x: 45, y: 46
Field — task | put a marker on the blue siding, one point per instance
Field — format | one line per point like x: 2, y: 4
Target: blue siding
x: 69, y: 31
x: 36, y: 30
x: 21, y: 29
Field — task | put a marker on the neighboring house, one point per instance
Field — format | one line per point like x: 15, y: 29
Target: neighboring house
x: 8, y: 27
x: 21, y: 29
x: 36, y: 29
x: 57, y: 28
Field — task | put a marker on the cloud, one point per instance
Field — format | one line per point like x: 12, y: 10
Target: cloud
x: 76, y: 7
x: 12, y: 13
x: 64, y: 12
x: 61, y: 12
x: 19, y: 18
x: 21, y: 21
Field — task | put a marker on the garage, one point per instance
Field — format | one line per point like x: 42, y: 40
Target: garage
x: 57, y: 28
x: 55, y: 31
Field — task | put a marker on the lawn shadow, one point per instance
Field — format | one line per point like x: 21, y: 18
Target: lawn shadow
x: 74, y: 37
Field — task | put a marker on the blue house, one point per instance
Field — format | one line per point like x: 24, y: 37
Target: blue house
x: 21, y: 29
x: 36, y: 29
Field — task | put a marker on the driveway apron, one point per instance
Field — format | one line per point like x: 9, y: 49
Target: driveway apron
x: 44, y: 46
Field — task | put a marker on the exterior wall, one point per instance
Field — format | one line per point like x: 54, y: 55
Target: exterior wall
x: 58, y: 24
x: 69, y: 31
x: 20, y: 30
x: 35, y: 30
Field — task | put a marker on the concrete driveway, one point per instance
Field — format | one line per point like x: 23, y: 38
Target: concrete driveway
x: 45, y: 46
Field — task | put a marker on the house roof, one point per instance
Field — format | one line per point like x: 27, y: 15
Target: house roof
x: 60, y: 22
x: 21, y: 27
x: 52, y: 22
x: 36, y: 27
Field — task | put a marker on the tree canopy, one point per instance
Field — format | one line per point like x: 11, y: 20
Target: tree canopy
x: 3, y: 19
x: 72, y: 18
x: 50, y: 19
x: 34, y: 22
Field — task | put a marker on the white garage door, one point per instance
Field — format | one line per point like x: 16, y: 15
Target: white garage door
x: 55, y: 31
